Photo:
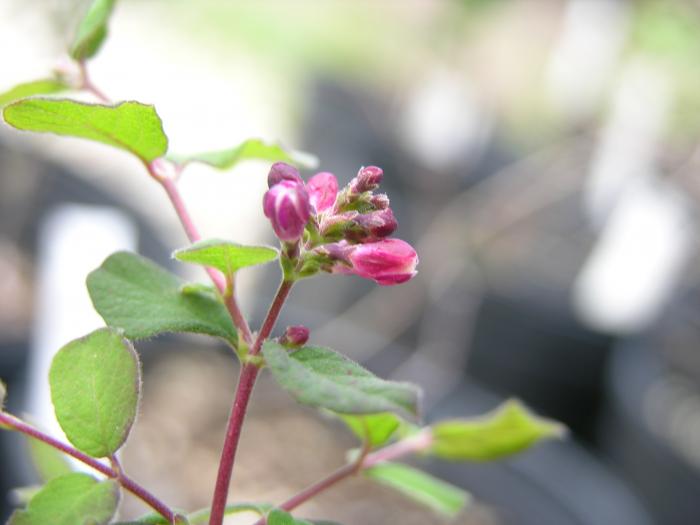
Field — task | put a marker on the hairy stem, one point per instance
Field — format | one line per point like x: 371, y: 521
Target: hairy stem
x: 246, y: 382
x: 409, y: 445
x: 126, y: 482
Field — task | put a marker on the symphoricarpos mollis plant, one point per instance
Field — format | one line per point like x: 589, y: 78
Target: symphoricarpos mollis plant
x: 324, y: 228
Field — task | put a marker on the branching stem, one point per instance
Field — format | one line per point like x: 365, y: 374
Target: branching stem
x: 126, y: 482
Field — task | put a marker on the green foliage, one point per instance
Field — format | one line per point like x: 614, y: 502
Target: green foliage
x: 46, y: 86
x: 130, y: 126
x: 135, y: 295
x: 432, y: 492
x: 375, y: 429
x: 227, y: 257
x: 280, y: 517
x: 507, y: 430
x: 202, y: 517
x: 251, y: 149
x: 92, y: 30
x: 73, y: 499
x: 48, y: 462
x: 320, y: 377
x: 95, y: 384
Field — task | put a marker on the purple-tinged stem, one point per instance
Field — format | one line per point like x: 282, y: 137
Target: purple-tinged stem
x: 126, y: 482
x: 246, y: 382
x: 410, y: 445
x: 88, y: 86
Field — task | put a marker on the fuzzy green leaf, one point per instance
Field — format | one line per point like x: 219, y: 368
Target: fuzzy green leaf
x: 95, y: 385
x: 509, y: 429
x: 135, y: 295
x: 92, y: 30
x: 251, y: 149
x: 375, y: 429
x: 420, y: 486
x: 228, y: 257
x: 46, y: 86
x: 73, y: 499
x: 320, y: 377
x: 130, y: 126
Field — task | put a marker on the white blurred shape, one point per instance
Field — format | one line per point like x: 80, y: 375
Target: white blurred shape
x: 630, y: 140
x: 74, y: 240
x: 443, y: 122
x: 637, y: 260
x: 584, y: 57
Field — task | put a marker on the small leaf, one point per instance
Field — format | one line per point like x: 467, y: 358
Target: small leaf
x: 375, y: 429
x: 135, y: 295
x: 507, y: 430
x: 92, y: 30
x: 225, y: 256
x: 202, y: 516
x: 130, y: 126
x: 74, y: 499
x: 95, y: 384
x: 31, y: 89
x: 432, y: 492
x: 251, y: 149
x: 48, y: 462
x: 320, y: 377
x: 280, y: 517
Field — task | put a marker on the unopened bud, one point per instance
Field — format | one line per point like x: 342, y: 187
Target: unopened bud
x: 374, y: 225
x: 281, y: 171
x: 295, y: 336
x: 386, y: 262
x: 323, y: 190
x: 286, y: 204
x: 367, y: 179
x: 380, y: 201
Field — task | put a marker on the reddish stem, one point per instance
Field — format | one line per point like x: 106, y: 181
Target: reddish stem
x: 87, y: 85
x: 410, y: 445
x: 246, y: 382
x: 126, y: 482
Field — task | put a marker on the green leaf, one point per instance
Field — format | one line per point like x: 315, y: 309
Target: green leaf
x: 251, y: 149
x: 375, y: 429
x: 95, y: 384
x: 30, y: 89
x: 135, y: 295
x: 130, y: 126
x: 48, y: 462
x: 74, y: 499
x: 228, y: 257
x: 507, y: 430
x: 432, y: 492
x: 280, y: 517
x: 92, y: 30
x: 202, y: 516
x: 320, y: 377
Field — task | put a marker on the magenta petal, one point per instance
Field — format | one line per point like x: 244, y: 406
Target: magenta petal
x: 323, y: 190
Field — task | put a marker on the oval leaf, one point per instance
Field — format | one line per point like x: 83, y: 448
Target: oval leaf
x: 130, y: 126
x: 92, y: 30
x: 420, y: 486
x: 73, y: 499
x: 95, y: 384
x: 507, y: 430
x: 225, y: 256
x: 142, y: 299
x: 374, y: 429
x: 320, y: 377
x: 251, y: 149
x: 31, y: 89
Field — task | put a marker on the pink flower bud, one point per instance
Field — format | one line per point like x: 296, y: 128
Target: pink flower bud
x: 387, y: 262
x: 295, y: 336
x: 380, y: 201
x: 323, y: 189
x: 286, y: 204
x: 367, y: 179
x: 376, y: 225
x: 281, y: 171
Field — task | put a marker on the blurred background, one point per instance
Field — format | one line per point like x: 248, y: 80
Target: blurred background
x: 542, y: 155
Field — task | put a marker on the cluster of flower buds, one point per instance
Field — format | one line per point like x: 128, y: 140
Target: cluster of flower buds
x: 337, y: 231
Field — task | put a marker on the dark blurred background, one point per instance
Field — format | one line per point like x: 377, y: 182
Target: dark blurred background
x: 541, y: 155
